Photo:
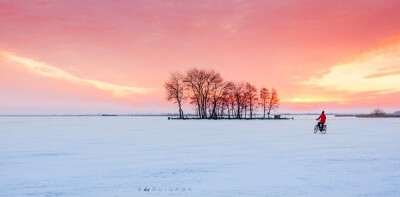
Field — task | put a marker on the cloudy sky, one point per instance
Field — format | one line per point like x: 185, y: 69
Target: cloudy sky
x: 94, y: 56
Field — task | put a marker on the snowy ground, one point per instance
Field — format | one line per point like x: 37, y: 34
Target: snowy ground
x: 115, y: 156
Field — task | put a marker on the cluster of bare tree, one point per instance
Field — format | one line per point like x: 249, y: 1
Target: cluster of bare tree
x: 215, y: 98
x: 378, y: 112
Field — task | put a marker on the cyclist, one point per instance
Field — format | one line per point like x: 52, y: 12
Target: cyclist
x: 322, y: 119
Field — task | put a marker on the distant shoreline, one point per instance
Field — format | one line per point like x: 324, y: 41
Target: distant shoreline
x: 378, y: 116
x: 84, y: 115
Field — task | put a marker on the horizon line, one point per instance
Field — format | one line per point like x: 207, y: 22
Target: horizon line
x: 163, y: 114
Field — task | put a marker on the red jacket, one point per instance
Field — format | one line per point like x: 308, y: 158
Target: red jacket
x: 322, y: 117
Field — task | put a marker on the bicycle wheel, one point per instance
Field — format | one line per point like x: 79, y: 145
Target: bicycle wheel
x: 324, y: 129
x: 316, y: 129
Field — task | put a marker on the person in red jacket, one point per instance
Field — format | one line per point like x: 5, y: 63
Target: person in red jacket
x: 322, y: 119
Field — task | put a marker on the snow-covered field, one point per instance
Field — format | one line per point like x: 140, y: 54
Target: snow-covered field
x: 121, y: 156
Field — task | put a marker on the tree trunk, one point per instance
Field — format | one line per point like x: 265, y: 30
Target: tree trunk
x: 251, y: 109
x: 180, y: 110
x: 264, y: 109
x: 269, y: 111
x: 238, y: 111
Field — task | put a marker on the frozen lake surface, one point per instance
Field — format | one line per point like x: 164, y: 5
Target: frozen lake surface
x: 120, y: 156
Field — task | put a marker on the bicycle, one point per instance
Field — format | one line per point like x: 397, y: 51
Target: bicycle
x: 323, y: 131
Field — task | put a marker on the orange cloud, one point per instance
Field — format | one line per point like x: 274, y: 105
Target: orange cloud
x: 383, y: 74
x: 375, y: 70
x: 47, y: 70
x: 310, y: 100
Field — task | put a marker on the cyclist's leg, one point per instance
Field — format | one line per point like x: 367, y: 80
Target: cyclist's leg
x: 319, y: 125
x: 322, y: 126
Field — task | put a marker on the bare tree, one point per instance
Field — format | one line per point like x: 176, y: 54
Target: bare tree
x: 218, y: 90
x: 378, y: 112
x: 264, y: 99
x: 251, y: 97
x: 228, y: 99
x: 175, y: 90
x: 204, y: 84
x: 232, y: 101
x: 225, y: 103
x: 195, y: 81
x: 273, y: 101
x: 244, y: 104
x: 214, y: 89
x: 238, y: 93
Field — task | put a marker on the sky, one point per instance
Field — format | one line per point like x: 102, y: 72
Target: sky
x: 97, y: 56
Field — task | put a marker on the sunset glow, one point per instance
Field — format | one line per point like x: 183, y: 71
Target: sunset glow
x: 114, y: 56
